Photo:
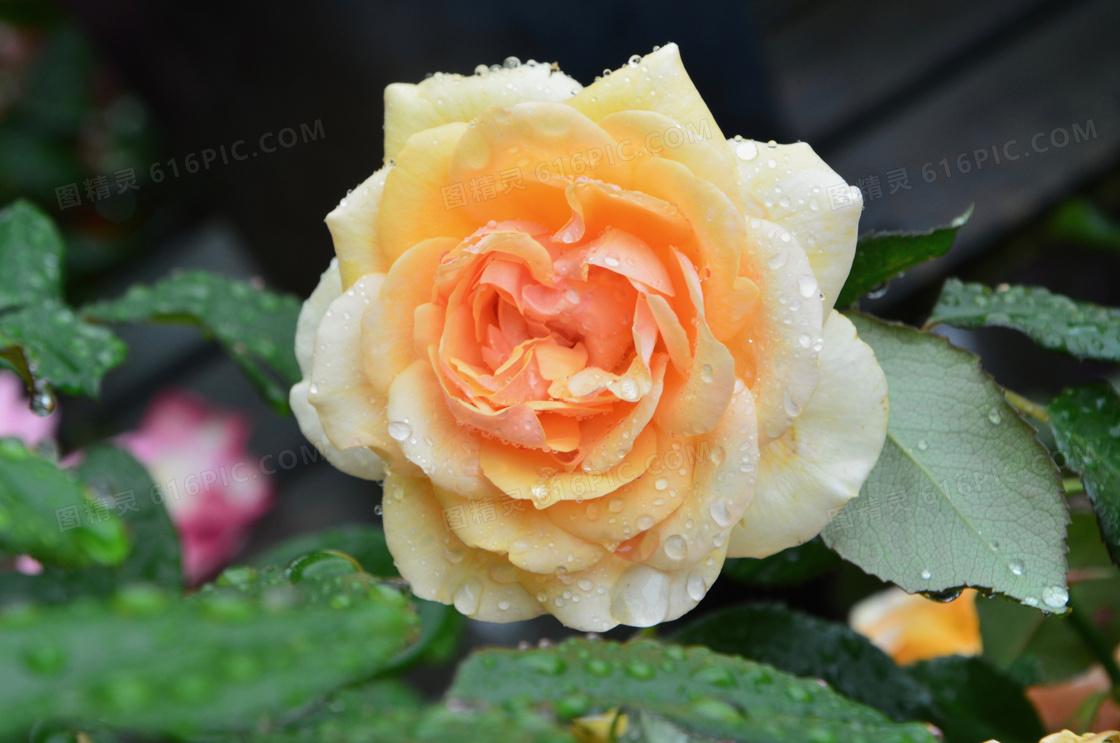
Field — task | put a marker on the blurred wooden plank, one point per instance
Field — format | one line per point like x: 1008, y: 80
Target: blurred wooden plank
x: 842, y: 58
x: 1060, y: 81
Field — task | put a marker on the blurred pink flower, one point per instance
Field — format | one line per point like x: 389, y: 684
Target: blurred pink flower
x: 16, y: 419
x: 213, y: 487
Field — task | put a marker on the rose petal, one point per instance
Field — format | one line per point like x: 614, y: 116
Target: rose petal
x: 657, y: 83
x: 439, y: 567
x: 428, y: 434
x: 656, y: 135
x: 357, y: 461
x: 821, y: 463
x: 776, y: 351
x: 444, y: 98
x: 351, y: 411
x: 353, y: 226
x: 789, y: 185
x: 532, y: 541
x: 311, y: 314
x: 419, y: 202
x: 388, y: 322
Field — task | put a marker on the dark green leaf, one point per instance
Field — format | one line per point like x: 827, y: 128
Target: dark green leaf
x: 45, y: 513
x: 31, y: 255
x: 804, y: 645
x: 788, y: 567
x: 441, y: 624
x: 976, y: 702
x: 963, y: 493
x: 1081, y: 220
x: 1055, y: 322
x: 230, y: 658
x: 700, y: 691
x: 123, y: 486
x: 50, y: 346
x: 256, y: 327
x: 364, y: 543
x: 1086, y: 424
x: 881, y: 256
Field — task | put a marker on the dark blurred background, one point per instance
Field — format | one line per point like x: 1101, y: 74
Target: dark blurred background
x: 1011, y: 105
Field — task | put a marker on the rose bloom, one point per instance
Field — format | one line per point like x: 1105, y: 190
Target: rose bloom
x: 588, y: 343
x: 213, y: 489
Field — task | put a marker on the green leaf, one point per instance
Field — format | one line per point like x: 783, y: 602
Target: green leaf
x: 1057, y: 323
x: 1016, y: 635
x: 31, y: 255
x: 230, y: 658
x: 976, y: 702
x: 50, y: 346
x: 788, y: 567
x: 805, y: 645
x: 441, y: 624
x: 963, y: 493
x: 45, y: 513
x: 256, y: 327
x: 880, y: 256
x: 1086, y: 424
x: 390, y: 712
x: 700, y: 691
x: 125, y: 490
x: 1081, y: 220
x: 364, y: 543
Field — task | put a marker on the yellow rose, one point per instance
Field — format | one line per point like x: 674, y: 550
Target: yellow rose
x: 589, y: 344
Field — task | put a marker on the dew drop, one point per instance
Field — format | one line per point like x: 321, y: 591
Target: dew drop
x: 467, y: 597
x: 503, y: 605
x: 1016, y: 567
x: 926, y: 575
x: 695, y: 586
x: 706, y: 373
x: 644, y: 522
x: 746, y: 150
x: 1055, y: 597
x: 399, y: 430
x: 807, y: 285
x: 995, y: 417
x: 615, y: 505
x: 676, y: 548
x: 612, y: 260
x: 923, y: 445
x: 720, y: 513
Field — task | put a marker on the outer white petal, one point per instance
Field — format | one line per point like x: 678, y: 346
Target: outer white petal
x: 445, y: 98
x: 823, y: 460
x: 790, y: 185
x: 483, y: 585
x: 353, y: 226
x: 359, y: 462
x: 328, y: 290
x: 777, y: 349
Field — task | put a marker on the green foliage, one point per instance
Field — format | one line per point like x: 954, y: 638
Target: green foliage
x: 788, y: 567
x: 963, y: 494
x: 976, y: 702
x: 1081, y: 220
x: 704, y: 693
x: 1055, y: 322
x: 1086, y: 424
x: 132, y: 500
x: 881, y: 256
x: 45, y: 513
x: 943, y: 692
x: 256, y: 327
x: 1016, y: 636
x: 805, y: 645
x: 441, y: 624
x: 364, y: 543
x: 233, y: 657
x: 31, y: 255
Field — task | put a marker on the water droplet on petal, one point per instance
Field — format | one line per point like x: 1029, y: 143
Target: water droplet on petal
x: 399, y: 430
x: 695, y: 586
x: 468, y: 597
x: 746, y: 151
